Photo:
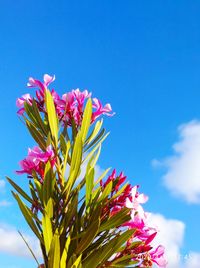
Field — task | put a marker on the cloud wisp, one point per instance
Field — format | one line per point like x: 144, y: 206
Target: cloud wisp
x: 170, y: 235
x: 2, y: 184
x: 182, y: 177
x: 12, y: 243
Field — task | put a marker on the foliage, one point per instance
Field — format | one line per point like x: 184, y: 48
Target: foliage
x: 80, y: 220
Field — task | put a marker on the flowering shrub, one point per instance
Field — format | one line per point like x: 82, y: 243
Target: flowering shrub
x: 80, y: 220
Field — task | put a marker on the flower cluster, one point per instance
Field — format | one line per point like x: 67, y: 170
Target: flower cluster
x: 132, y: 199
x: 111, y: 197
x: 35, y: 161
x: 69, y: 107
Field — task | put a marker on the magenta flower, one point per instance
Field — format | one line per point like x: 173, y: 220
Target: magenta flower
x: 20, y: 102
x: 157, y: 256
x: 134, y: 202
x: 81, y: 97
x: 69, y: 107
x: 36, y: 83
x: 100, y: 109
x: 35, y: 161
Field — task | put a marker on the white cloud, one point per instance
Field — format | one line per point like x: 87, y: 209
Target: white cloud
x: 170, y: 235
x: 183, y: 167
x: 5, y: 203
x: 193, y: 260
x: 12, y: 243
x: 2, y: 184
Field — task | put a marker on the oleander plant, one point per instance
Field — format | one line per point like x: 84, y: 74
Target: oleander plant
x: 80, y: 219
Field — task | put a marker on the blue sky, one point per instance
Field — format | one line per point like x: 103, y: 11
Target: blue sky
x: 141, y: 56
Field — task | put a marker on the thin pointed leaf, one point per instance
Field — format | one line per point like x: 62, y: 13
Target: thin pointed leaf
x: 95, y: 131
x: 19, y: 190
x: 116, y: 220
x: 36, y: 135
x: 29, y: 248
x: 52, y: 117
x: 47, y: 231
x: 54, y: 253
x: 64, y: 254
x: 28, y: 216
x: 86, y: 120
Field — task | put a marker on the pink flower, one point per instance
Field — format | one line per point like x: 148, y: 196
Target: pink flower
x: 81, y: 97
x: 135, y: 200
x: 20, y: 102
x: 157, y: 256
x: 35, y: 161
x: 100, y: 109
x: 36, y: 83
x: 42, y: 86
x: 69, y: 107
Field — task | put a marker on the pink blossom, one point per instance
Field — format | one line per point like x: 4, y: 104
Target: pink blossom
x: 157, y: 256
x: 135, y: 200
x: 20, y: 102
x: 36, y: 83
x: 35, y: 161
x: 100, y: 109
x: 81, y: 96
x: 42, y: 86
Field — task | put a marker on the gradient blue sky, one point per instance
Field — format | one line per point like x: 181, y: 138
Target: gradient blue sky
x: 141, y: 56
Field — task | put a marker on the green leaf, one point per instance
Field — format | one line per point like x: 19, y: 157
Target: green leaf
x: 39, y: 189
x: 77, y: 262
x: 64, y: 254
x: 119, y: 192
x: 75, y: 163
x: 95, y: 148
x: 93, y: 160
x: 106, y: 191
x: 89, y: 186
x: 29, y: 110
x: 28, y: 216
x: 54, y: 253
x: 102, y: 254
x: 31, y: 251
x: 49, y: 208
x: 19, y: 190
x: 86, y: 120
x: 47, y: 231
x: 40, y: 122
x: 116, y: 220
x: 90, y: 232
x: 95, y: 131
x: 49, y: 183
x: 65, y: 159
x: 52, y: 117
x: 68, y: 213
x: 102, y: 176
x: 95, y: 141
x: 34, y: 115
x: 36, y: 135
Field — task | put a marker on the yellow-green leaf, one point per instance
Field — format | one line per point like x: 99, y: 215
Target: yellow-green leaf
x: 28, y: 216
x: 52, y: 116
x: 38, y: 137
x: 90, y: 232
x: 116, y: 220
x: 54, y: 253
x: 19, y: 190
x: 47, y: 231
x: 86, y: 120
x: 64, y: 254
x: 95, y: 131
x: 77, y: 262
